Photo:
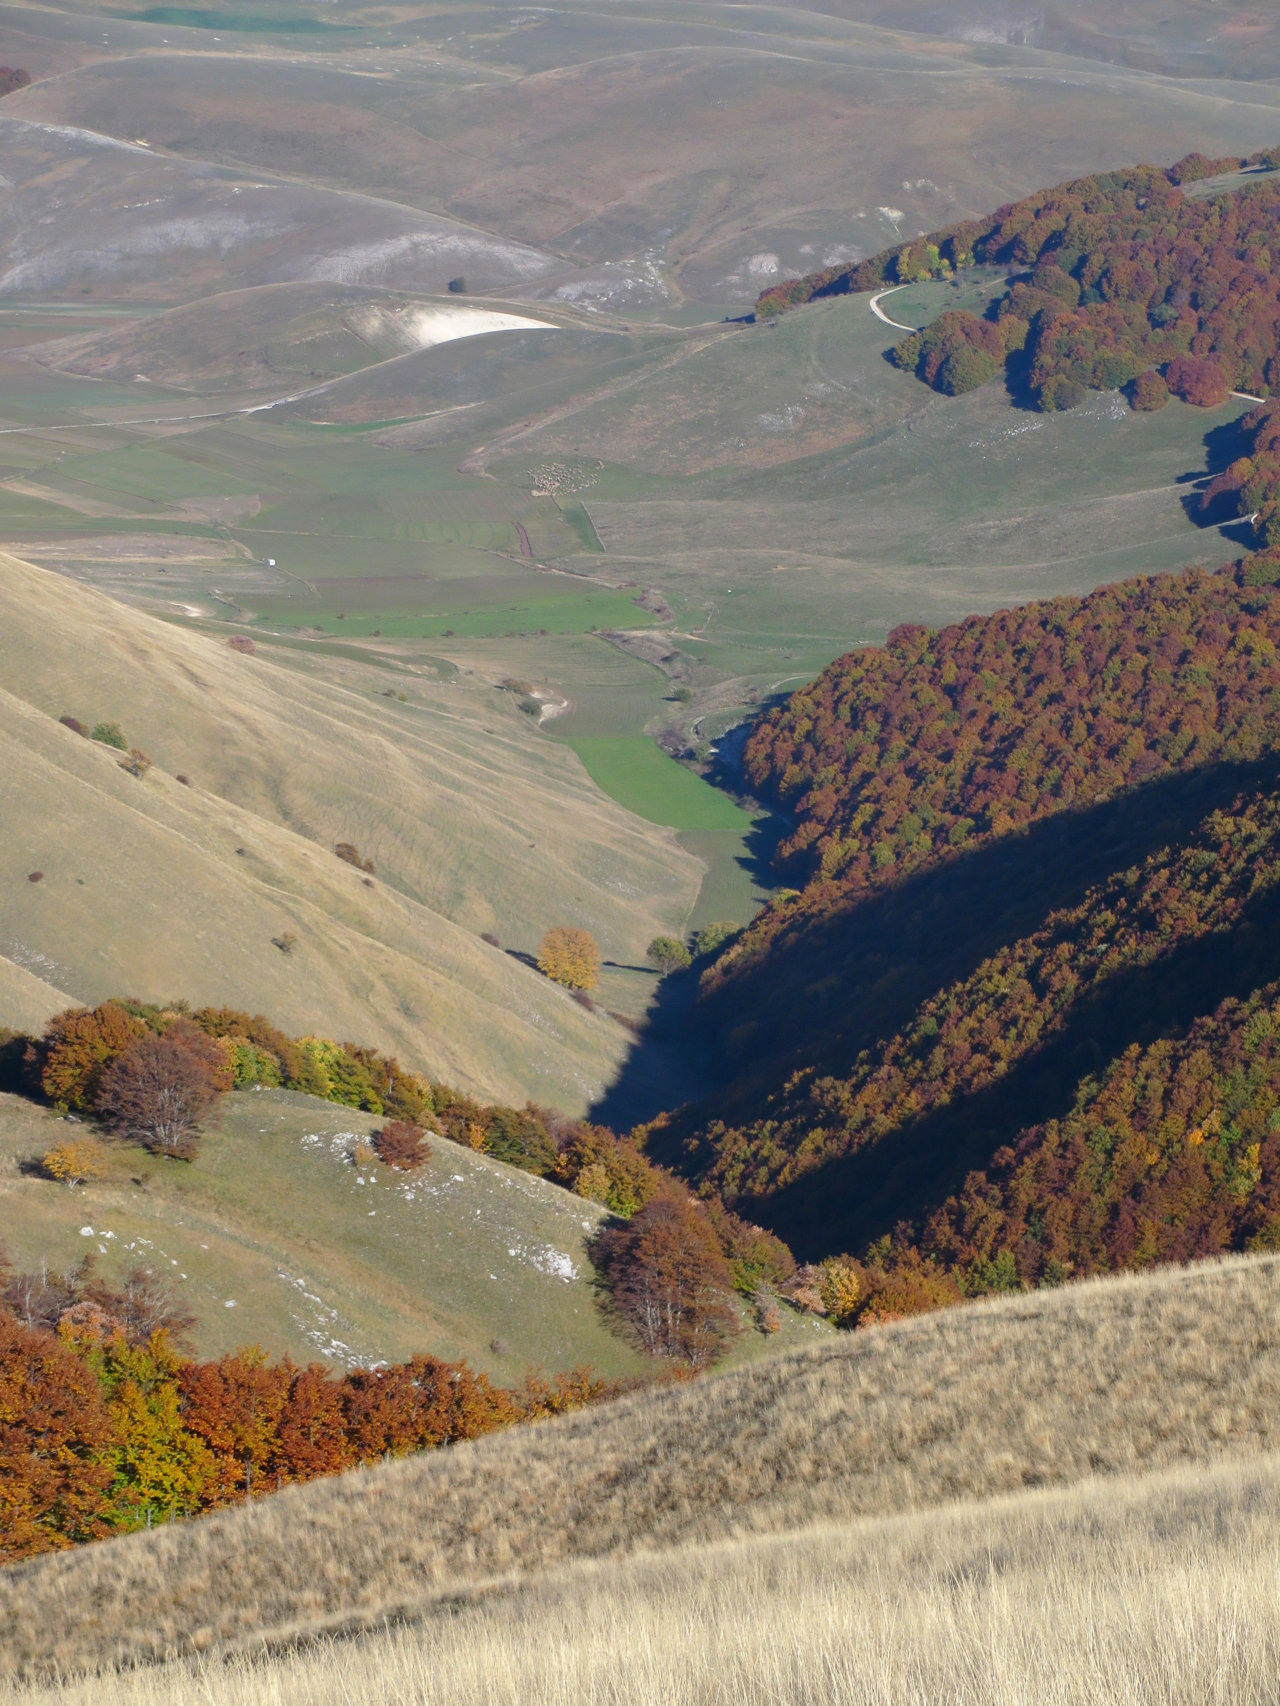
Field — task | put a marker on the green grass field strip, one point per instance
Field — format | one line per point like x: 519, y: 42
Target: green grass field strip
x: 579, y: 519
x: 637, y: 773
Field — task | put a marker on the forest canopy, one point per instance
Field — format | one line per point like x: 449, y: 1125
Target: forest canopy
x: 1120, y: 279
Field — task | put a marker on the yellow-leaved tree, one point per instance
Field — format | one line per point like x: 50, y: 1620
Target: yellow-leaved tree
x: 569, y: 956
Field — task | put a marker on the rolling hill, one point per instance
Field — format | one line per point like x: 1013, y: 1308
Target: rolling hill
x: 274, y: 1238
x: 1111, y: 1379
x: 448, y: 792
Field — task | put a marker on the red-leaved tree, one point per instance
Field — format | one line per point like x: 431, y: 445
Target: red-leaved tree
x: 670, y: 1281
x: 160, y: 1090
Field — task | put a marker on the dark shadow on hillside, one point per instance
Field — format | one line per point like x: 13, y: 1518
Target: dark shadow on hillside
x: 665, y: 1067
x: 850, y: 1201
x: 837, y: 983
x: 1223, y: 444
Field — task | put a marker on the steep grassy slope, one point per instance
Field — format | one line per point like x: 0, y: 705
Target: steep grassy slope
x: 274, y: 1237
x: 1152, y: 1589
x: 1110, y: 1378
x: 142, y: 878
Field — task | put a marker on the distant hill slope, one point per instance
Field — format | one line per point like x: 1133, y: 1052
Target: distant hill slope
x: 1111, y: 1378
x: 144, y: 879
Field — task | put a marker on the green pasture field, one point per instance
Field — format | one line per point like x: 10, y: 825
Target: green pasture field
x: 639, y: 775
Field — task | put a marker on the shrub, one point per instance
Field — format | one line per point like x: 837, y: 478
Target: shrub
x: 35, y: 876
x: 1061, y: 393
x: 668, y: 954
x: 110, y: 734
x: 137, y: 763
x: 75, y: 1161
x: 75, y: 725
x: 402, y: 1144
x: 13, y: 78
x: 712, y: 937
x: 1148, y: 392
x: 286, y: 941
x: 489, y: 937
x: 242, y: 643
x: 159, y: 1092
x: 570, y: 957
x: 351, y: 856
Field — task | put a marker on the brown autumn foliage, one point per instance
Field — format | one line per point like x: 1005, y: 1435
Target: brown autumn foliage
x: 161, y: 1089
x: 402, y: 1144
x: 77, y: 1047
x: 351, y: 855
x: 1116, y: 274
x: 54, y: 1474
x: 669, y: 1280
x: 971, y: 1035
x: 101, y: 1426
x: 944, y: 738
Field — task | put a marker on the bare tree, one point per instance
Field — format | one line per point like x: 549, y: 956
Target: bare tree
x: 159, y: 1092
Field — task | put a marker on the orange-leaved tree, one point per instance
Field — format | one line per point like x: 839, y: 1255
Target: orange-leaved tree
x: 55, y: 1438
x: 77, y: 1048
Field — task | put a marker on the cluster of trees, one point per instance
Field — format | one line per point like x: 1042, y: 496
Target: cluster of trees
x: 106, y: 1425
x: 1122, y: 280
x: 151, y: 1074
x: 1174, y: 1155
x: 927, y: 1134
x: 135, y: 761
x: 1251, y: 485
x: 958, y: 352
x: 971, y: 1034
x: 939, y: 740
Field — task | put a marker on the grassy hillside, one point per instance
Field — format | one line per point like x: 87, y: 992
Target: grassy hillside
x: 1155, y: 1590
x: 446, y: 792
x: 1112, y: 1378
x: 274, y: 1237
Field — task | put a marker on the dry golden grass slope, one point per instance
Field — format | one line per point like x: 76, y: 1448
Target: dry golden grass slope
x: 1120, y: 1378
x: 1155, y: 1590
x: 157, y: 889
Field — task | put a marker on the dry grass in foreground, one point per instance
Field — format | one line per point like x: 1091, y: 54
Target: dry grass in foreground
x: 1154, y: 1591
x: 1118, y: 1376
